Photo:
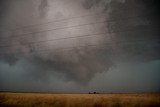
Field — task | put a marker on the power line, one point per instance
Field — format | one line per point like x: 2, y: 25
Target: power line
x: 82, y: 46
x: 58, y: 28
x: 69, y: 27
x: 87, y: 35
x: 71, y: 37
x: 54, y: 29
x: 39, y: 24
x: 52, y: 21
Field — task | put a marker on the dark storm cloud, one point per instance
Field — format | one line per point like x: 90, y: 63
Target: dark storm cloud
x: 132, y: 36
x: 135, y: 27
x: 78, y: 64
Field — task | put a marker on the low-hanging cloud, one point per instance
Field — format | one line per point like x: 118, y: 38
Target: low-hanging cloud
x: 78, y: 61
x: 75, y: 40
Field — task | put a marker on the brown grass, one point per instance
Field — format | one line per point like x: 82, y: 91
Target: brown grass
x: 78, y: 100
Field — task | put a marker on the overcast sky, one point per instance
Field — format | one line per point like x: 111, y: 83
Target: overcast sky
x: 79, y: 45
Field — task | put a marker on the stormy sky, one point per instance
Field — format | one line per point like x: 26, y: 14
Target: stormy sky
x: 79, y: 45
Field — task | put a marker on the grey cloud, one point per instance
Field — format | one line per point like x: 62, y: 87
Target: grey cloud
x: 125, y: 77
x: 132, y: 35
x: 136, y: 35
x: 128, y: 77
x: 77, y: 64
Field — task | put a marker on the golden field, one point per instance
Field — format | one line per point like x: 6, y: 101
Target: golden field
x: 78, y: 100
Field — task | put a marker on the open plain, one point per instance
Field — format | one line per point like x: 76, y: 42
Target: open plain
x: 8, y: 99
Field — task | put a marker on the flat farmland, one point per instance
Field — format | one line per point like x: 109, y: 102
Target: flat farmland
x: 8, y: 99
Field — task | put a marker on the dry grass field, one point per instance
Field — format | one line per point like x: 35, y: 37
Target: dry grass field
x: 78, y: 100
